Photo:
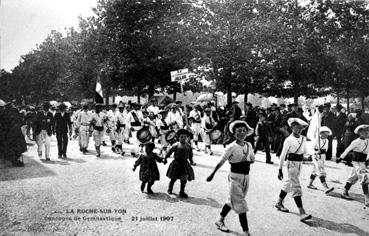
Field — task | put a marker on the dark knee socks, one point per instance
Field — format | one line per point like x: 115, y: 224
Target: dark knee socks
x: 312, y: 177
x: 348, y: 186
x: 365, y: 189
x: 226, y: 209
x: 243, y: 221
x: 322, y: 179
x: 282, y: 195
x: 298, y: 201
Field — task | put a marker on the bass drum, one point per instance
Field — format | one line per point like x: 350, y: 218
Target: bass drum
x: 144, y: 135
x: 171, y: 137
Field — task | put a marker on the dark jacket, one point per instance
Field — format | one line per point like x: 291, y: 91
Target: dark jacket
x: 62, y: 123
x: 44, y: 122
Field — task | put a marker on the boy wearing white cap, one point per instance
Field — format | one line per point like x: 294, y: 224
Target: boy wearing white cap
x: 359, y: 172
x: 294, y: 148
x: 320, y: 148
x: 240, y: 155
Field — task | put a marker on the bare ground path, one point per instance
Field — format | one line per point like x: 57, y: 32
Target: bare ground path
x: 39, y: 198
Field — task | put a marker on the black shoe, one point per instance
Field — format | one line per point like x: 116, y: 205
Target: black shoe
x: 133, y: 154
x: 183, y: 195
x: 18, y: 163
x: 104, y: 144
x: 143, y: 187
x: 59, y: 157
x: 149, y: 191
x: 269, y: 162
x: 122, y: 153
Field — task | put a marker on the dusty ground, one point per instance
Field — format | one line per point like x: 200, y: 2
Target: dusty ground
x: 32, y: 195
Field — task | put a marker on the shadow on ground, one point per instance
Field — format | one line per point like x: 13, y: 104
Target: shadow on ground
x: 31, y: 169
x: 192, y: 200
x: 356, y: 197
x: 342, y: 228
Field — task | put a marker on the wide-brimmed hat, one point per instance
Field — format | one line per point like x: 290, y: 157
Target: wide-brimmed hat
x: 250, y: 130
x: 184, y: 131
x: 296, y: 120
x: 325, y: 129
x: 360, y: 127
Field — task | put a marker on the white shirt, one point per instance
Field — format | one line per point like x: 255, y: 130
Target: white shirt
x: 321, y: 144
x: 130, y: 117
x: 83, y: 117
x: 174, y: 118
x: 358, y: 145
x: 293, y: 145
x: 99, y: 118
x: 207, y: 119
x: 236, y: 153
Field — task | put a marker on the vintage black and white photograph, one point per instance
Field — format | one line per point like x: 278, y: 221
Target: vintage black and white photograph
x: 184, y: 117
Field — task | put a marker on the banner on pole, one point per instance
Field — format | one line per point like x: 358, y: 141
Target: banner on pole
x: 179, y: 75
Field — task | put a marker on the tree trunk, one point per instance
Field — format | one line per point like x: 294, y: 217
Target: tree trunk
x: 338, y: 97
x: 175, y: 96
x: 348, y: 102
x: 138, y: 98
x: 229, y: 95
x: 362, y: 103
x: 245, y: 101
x: 107, y: 96
x: 296, y: 99
x: 151, y: 91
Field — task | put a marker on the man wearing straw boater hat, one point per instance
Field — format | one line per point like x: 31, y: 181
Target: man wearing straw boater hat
x: 359, y: 172
x: 294, y: 148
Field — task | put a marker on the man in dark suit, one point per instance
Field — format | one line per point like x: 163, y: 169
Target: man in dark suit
x: 341, y: 119
x: 252, y: 119
x: 62, y: 124
x: 329, y: 120
x: 43, y: 130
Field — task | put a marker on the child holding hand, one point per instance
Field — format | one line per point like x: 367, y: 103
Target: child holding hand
x: 149, y: 172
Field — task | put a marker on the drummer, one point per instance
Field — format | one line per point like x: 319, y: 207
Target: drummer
x: 174, y: 118
x: 149, y: 122
x: 163, y: 128
x: 120, y: 128
x: 207, y: 124
x: 134, y: 123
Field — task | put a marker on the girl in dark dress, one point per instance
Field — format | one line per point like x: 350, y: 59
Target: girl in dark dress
x: 180, y: 167
x: 149, y: 172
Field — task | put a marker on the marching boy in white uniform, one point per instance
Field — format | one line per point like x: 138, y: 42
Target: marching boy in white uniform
x: 195, y: 114
x: 83, y: 121
x: 207, y: 124
x: 359, y: 172
x: 134, y: 123
x: 240, y: 155
x: 294, y: 148
x: 120, y: 128
x: 320, y: 148
x: 98, y: 121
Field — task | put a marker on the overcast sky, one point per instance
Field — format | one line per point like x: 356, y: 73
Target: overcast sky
x: 25, y: 23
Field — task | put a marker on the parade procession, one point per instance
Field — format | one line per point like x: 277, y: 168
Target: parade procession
x: 163, y: 117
